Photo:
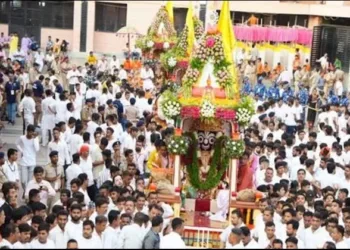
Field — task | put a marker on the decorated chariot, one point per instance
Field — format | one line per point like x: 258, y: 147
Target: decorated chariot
x: 208, y: 115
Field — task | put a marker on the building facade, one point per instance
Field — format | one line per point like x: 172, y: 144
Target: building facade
x: 92, y: 25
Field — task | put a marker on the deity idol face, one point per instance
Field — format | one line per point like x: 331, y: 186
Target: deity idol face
x: 206, y: 140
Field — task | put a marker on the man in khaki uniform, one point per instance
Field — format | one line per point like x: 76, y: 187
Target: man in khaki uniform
x: 33, y: 75
x: 110, y: 109
x: 87, y: 111
x: 54, y: 174
x: 330, y: 80
x: 339, y: 74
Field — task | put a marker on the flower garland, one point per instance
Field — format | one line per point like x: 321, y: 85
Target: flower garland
x: 178, y: 145
x: 234, y: 148
x: 218, y: 166
x: 210, y: 49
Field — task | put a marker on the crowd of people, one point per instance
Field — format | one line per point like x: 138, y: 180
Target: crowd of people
x: 99, y: 124
x: 297, y: 155
x: 98, y: 127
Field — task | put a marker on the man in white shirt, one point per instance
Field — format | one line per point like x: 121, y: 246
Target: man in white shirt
x: 153, y: 199
x: 132, y: 235
x: 112, y: 232
x: 174, y: 239
x: 247, y: 240
x: 59, y: 145
x: 27, y: 108
x: 74, y: 227
x: 28, y: 146
x: 147, y: 76
x: 45, y: 188
x: 57, y: 233
x: 24, y: 239
x: 60, y: 107
x: 292, y: 229
x: 42, y: 242
x: 315, y: 236
x: 10, y: 167
x: 72, y: 77
x: 285, y: 76
x: 338, y: 237
x: 235, y: 239
x: 328, y: 178
x: 269, y: 179
x: 86, y: 166
x: 9, y: 235
x: 114, y: 64
x: 88, y: 240
x: 101, y: 208
x: 100, y: 226
x: 73, y: 170
x: 130, y: 140
x: 48, y: 116
x: 123, y: 75
x: 236, y: 222
x: 323, y: 61
x: 102, y: 65
x: 97, y: 158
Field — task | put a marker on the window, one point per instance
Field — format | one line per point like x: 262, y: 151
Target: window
x: 58, y: 14
x: 4, y: 10
x: 110, y: 17
x: 179, y: 19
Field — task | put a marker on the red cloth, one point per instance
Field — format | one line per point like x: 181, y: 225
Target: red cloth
x: 245, y: 177
x: 202, y: 205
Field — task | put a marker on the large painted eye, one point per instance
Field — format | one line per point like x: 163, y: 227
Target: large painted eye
x: 200, y: 137
x: 212, y: 139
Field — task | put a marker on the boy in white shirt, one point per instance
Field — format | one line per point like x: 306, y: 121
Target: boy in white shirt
x: 43, y: 242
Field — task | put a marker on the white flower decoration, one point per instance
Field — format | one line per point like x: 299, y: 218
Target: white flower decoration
x: 212, y: 17
x: 207, y: 109
x: 166, y: 45
x: 171, y: 109
x: 149, y: 44
x: 172, y: 62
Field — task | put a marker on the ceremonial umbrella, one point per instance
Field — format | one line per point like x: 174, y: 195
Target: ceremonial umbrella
x: 130, y: 32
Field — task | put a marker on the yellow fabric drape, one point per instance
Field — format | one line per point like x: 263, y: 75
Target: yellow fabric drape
x: 170, y: 10
x: 229, y: 40
x: 190, y: 27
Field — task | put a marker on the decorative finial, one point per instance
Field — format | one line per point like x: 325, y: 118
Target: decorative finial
x: 209, y: 81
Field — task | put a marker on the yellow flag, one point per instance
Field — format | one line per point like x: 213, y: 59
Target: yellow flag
x: 169, y: 8
x: 190, y: 26
x: 228, y: 39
